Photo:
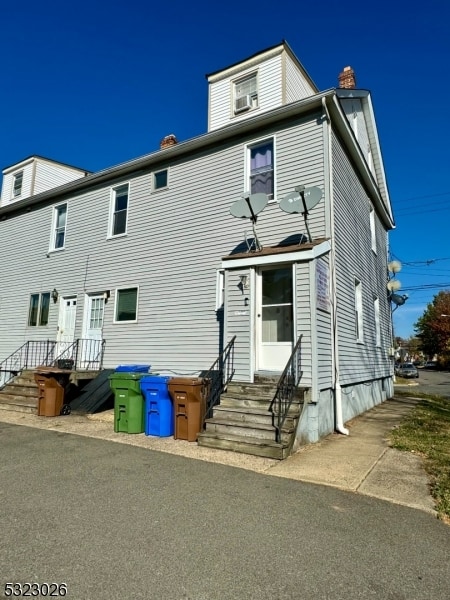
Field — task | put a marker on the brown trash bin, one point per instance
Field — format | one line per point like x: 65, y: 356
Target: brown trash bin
x: 189, y: 406
x: 51, y: 396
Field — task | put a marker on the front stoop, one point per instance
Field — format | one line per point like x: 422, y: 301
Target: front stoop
x: 21, y: 394
x: 242, y: 421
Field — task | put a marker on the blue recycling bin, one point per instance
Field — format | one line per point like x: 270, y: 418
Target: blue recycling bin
x: 133, y: 368
x: 158, y: 412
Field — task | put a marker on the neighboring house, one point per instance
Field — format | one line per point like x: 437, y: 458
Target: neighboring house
x: 147, y: 256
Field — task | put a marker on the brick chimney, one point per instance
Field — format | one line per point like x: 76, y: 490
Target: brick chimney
x: 347, y: 78
x: 169, y: 140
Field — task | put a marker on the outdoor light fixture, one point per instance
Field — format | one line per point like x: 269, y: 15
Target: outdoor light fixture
x: 243, y: 282
x: 106, y: 296
x: 54, y: 295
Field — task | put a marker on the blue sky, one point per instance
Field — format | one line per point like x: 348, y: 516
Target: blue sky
x: 94, y: 84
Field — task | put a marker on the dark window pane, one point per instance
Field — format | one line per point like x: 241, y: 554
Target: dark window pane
x: 126, y: 305
x: 262, y: 183
x: 59, y: 238
x: 45, y: 303
x: 120, y: 222
x: 277, y: 286
x: 34, y: 306
x: 160, y: 179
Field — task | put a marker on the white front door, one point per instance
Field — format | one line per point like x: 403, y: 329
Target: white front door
x: 66, y: 326
x: 93, y: 331
x: 274, y: 314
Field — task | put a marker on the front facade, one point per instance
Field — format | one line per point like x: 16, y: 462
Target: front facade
x: 148, y: 256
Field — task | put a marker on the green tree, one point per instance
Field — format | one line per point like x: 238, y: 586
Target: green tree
x: 433, y: 329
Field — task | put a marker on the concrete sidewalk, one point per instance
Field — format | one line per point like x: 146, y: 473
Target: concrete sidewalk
x: 361, y: 462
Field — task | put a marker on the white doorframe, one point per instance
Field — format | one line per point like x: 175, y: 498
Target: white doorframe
x: 273, y: 355
x: 93, y: 318
x: 65, y: 335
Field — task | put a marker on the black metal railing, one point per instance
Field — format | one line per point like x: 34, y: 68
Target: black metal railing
x: 82, y: 354
x: 286, y: 389
x: 218, y: 377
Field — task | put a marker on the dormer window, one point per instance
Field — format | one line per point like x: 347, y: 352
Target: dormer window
x: 245, y: 94
x: 17, y: 187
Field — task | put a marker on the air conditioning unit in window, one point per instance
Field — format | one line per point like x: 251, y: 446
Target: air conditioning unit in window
x: 243, y: 103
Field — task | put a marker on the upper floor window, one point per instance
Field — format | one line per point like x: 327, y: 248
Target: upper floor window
x: 17, y: 185
x: 160, y: 179
x: 59, y: 227
x: 261, y: 169
x: 245, y: 93
x: 358, y: 311
x: 119, y: 210
x: 373, y: 235
x: 38, y: 312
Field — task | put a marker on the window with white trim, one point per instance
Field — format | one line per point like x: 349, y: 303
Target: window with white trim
x: 261, y: 168
x: 38, y: 310
x: 245, y: 94
x: 59, y: 221
x: 358, y: 312
x: 373, y: 233
x: 160, y: 179
x: 126, y: 305
x: 119, y: 210
x: 376, y: 315
x: 17, y: 184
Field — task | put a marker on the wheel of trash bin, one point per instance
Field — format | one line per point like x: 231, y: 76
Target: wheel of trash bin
x: 66, y: 410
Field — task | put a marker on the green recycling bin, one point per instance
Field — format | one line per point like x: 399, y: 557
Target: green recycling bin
x: 128, y: 402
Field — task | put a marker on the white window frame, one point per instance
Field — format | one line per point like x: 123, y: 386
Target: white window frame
x: 220, y: 289
x: 40, y: 303
x: 248, y: 154
x: 359, y: 318
x: 163, y: 187
x: 252, y: 96
x: 112, y: 211
x: 116, y: 302
x: 56, y: 230
x: 376, y: 315
x: 373, y: 232
x: 17, y: 189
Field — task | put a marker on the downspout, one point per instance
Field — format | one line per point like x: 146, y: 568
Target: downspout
x: 339, y: 425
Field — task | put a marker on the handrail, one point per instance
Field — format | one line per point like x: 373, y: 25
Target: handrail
x: 218, y: 377
x: 81, y: 354
x: 286, y: 387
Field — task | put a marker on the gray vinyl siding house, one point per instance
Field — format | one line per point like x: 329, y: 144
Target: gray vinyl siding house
x: 169, y: 248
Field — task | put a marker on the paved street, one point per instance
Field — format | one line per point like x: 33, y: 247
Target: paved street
x: 117, y: 521
x: 434, y: 382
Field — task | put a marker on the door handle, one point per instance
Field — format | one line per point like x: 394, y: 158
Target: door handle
x: 259, y: 315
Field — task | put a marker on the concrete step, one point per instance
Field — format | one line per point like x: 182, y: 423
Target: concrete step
x: 244, y: 445
x: 18, y: 389
x: 18, y: 404
x: 251, y: 390
x: 232, y: 401
x: 256, y: 431
x: 249, y: 415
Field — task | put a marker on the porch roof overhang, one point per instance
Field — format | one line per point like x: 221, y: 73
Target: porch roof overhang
x: 278, y: 254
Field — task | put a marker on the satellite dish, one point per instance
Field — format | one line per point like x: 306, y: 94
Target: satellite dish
x: 293, y: 202
x: 302, y: 200
x: 248, y: 207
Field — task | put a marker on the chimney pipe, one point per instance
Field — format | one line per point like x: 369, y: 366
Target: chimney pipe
x: 169, y: 140
x: 347, y: 78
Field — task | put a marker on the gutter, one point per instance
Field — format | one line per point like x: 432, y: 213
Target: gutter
x: 339, y: 421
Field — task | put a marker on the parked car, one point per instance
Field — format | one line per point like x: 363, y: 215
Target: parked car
x: 408, y: 371
x: 430, y: 364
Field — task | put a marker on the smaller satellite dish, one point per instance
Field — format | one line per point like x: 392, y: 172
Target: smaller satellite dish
x: 313, y: 196
x: 249, y: 206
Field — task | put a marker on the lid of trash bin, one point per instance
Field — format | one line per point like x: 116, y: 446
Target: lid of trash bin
x: 133, y: 368
x: 125, y: 375
x: 155, y: 378
x: 186, y: 381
